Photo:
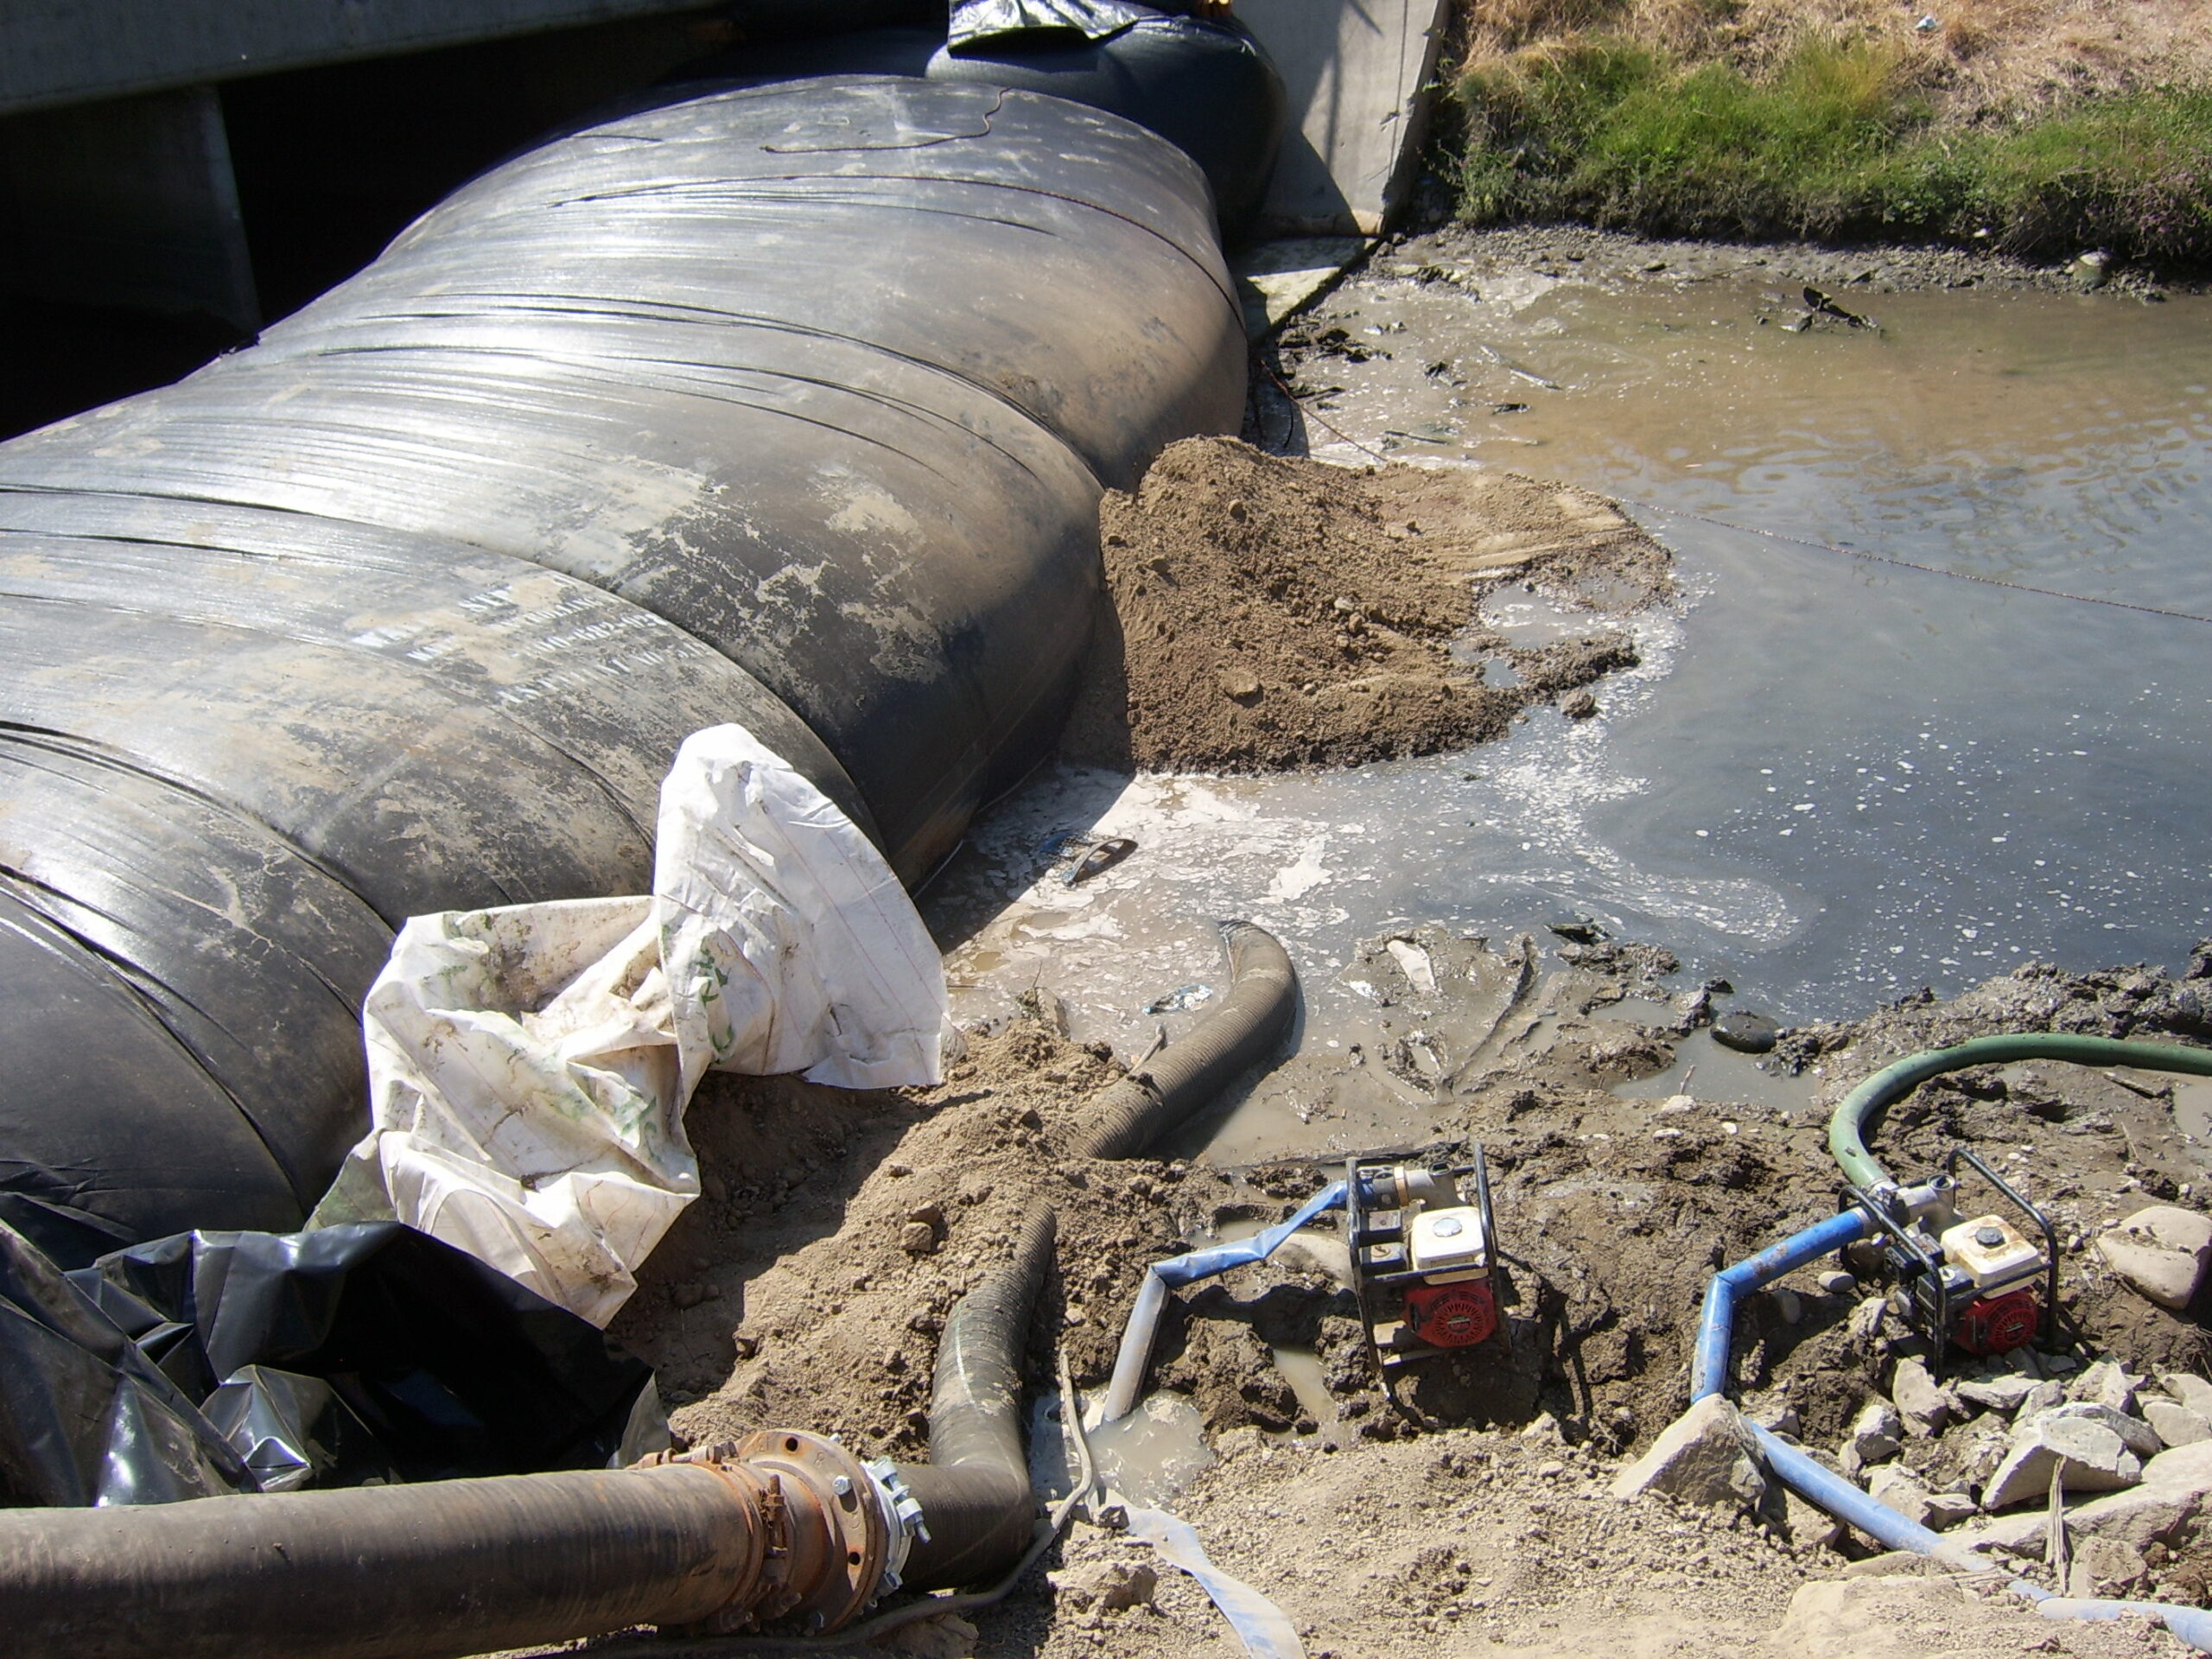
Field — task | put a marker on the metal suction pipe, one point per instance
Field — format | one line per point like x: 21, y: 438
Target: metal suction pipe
x: 452, y: 1568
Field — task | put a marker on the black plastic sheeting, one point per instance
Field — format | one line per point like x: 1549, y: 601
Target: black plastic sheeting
x: 790, y: 405
x: 215, y: 1363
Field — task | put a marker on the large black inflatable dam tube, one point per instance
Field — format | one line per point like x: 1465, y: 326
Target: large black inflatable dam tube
x: 790, y: 406
x: 1209, y: 88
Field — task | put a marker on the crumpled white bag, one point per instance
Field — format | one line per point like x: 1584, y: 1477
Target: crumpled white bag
x: 529, y: 1066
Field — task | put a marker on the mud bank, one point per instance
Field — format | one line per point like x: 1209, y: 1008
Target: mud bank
x: 1470, y: 255
x: 809, y: 1285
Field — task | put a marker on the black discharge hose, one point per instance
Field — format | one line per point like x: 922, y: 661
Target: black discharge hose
x: 1184, y: 1076
x: 975, y: 1491
x: 445, y: 1568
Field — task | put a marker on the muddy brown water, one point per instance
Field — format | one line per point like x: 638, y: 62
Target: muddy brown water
x: 1832, y: 781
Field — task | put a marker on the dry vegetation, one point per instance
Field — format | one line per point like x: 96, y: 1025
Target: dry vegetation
x: 2041, y: 126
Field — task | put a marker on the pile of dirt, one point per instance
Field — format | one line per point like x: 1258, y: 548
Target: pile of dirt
x: 1269, y: 612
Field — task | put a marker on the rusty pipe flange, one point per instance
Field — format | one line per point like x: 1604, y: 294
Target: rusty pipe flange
x: 836, y: 1536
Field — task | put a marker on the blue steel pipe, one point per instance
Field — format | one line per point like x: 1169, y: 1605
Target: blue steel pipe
x: 1716, y: 1329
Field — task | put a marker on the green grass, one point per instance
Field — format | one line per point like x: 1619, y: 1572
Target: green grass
x: 1837, y: 144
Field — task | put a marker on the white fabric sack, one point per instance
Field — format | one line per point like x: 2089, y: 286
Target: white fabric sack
x: 529, y: 1066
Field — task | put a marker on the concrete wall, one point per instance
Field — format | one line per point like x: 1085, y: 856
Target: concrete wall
x: 1356, y: 71
x: 54, y: 52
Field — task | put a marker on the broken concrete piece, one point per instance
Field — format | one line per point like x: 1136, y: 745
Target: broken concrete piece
x: 2135, y: 1434
x: 1892, y: 1488
x: 1109, y: 1587
x: 2107, y: 1566
x: 2174, y: 1425
x: 2104, y: 1383
x: 1705, y: 1457
x: 1808, y: 1525
x: 2002, y: 1394
x: 2040, y: 1398
x: 2089, y: 1456
x: 1924, y: 1406
x: 2191, y: 1390
x: 1948, y: 1509
x: 2162, y: 1252
x: 1876, y: 1434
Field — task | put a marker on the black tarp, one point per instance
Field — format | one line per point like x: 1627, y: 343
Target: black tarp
x: 213, y: 1363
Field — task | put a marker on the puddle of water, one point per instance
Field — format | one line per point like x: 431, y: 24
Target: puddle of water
x: 1147, y: 1457
x: 2193, y: 1115
x: 1705, y: 1071
x: 1302, y: 1369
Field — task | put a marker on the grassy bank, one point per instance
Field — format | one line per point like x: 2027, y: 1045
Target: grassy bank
x: 1836, y: 139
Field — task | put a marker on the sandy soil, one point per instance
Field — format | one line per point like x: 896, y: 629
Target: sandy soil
x: 799, y: 1293
x: 1267, y: 612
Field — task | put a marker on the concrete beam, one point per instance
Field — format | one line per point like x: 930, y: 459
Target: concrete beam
x: 1357, y: 71
x: 59, y: 51
x: 130, y: 203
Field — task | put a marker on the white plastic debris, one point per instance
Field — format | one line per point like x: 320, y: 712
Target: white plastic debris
x: 529, y: 1066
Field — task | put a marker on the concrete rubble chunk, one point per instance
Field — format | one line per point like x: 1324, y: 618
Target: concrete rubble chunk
x: 1876, y: 1434
x: 2090, y: 1458
x: 2162, y: 1252
x: 2174, y: 1425
x: 2107, y: 1566
x: 2135, y: 1434
x: 1924, y: 1406
x: 2190, y: 1390
x: 2004, y: 1393
x: 2040, y: 1398
x: 2104, y: 1383
x: 1705, y: 1457
x: 1894, y: 1488
x: 1808, y: 1525
x: 1109, y: 1587
x: 2175, y: 1487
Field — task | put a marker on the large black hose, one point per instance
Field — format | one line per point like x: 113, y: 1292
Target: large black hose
x: 447, y: 1567
x: 1131, y: 1114
x: 974, y: 1490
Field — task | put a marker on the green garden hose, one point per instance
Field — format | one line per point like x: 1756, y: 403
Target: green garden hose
x: 1847, y: 1126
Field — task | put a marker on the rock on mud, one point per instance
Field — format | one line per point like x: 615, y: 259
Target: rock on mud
x: 2161, y: 1252
x: 2091, y: 1457
x: 1707, y: 1458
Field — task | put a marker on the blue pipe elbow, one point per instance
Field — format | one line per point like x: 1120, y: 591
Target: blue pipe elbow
x: 1717, y: 1326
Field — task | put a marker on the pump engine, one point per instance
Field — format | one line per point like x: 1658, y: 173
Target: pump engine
x: 1987, y: 1283
x: 1424, y: 1260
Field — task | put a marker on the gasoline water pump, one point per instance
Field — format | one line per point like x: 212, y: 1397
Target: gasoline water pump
x: 1425, y: 1261
x: 1984, y: 1283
